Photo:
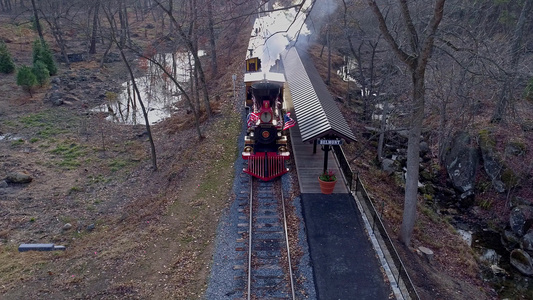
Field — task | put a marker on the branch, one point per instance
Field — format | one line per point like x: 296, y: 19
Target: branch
x: 406, y: 58
x: 430, y: 39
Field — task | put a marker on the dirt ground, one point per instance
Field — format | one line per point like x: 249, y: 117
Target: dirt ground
x: 130, y: 231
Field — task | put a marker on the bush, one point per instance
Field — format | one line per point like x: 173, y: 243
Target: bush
x: 6, y: 62
x: 26, y: 79
x: 41, y: 72
x: 42, y: 52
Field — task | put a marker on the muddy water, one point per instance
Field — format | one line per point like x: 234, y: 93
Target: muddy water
x: 158, y: 93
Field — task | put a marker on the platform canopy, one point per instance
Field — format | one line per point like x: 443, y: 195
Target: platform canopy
x: 317, y: 114
x: 267, y: 77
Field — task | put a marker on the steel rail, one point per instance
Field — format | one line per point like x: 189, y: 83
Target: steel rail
x: 250, y: 243
x: 249, y: 294
x: 287, y: 243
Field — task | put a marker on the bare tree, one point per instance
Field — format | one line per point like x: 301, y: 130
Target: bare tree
x: 92, y: 48
x: 117, y: 42
x: 416, y: 57
x: 212, y: 38
x: 192, y: 47
x: 505, y: 99
x: 37, y: 22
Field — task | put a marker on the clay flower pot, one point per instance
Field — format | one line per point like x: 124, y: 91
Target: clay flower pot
x: 327, y: 182
x: 326, y: 187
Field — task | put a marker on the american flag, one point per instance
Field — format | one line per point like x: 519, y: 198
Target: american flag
x: 288, y: 121
x: 252, y: 119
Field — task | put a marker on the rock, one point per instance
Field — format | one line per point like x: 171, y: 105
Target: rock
x: 498, y: 271
x: 387, y: 165
x: 515, y: 149
x: 491, y: 163
x: 509, y: 240
x: 112, y: 57
x: 67, y: 226
x: 466, y: 236
x: 526, y: 242
x: 72, y: 85
x: 55, y: 97
x: 522, y: 262
x: 18, y: 178
x: 424, y: 148
x: 90, y: 227
x: 490, y: 257
x: 461, y: 163
x: 520, y: 216
x: 3, y: 184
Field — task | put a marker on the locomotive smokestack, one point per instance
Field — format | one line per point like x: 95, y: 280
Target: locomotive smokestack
x: 251, y: 52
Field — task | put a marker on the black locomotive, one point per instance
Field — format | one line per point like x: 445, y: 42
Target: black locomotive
x: 265, y: 144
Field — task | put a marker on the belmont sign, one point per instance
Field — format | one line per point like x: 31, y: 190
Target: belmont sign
x: 330, y: 142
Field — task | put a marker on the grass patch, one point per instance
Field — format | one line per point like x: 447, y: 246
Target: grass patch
x: 98, y: 179
x: 17, y: 143
x: 70, y: 154
x: 75, y: 189
x: 221, y: 170
x: 118, y: 164
x: 48, y: 123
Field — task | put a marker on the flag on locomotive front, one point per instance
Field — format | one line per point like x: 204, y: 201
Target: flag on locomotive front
x: 288, y: 121
x: 252, y: 119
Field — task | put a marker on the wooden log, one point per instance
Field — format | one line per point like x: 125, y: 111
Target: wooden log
x: 427, y: 253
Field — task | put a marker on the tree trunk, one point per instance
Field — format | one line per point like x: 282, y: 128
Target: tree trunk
x: 413, y: 160
x: 417, y: 61
x: 37, y: 22
x: 383, y: 130
x: 92, y: 49
x: 212, y: 39
x: 145, y: 113
x: 328, y: 79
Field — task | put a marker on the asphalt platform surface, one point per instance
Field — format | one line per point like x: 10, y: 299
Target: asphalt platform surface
x: 345, y: 265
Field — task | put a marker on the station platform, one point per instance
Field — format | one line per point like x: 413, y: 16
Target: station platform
x: 345, y: 265
x: 310, y: 165
x: 344, y: 262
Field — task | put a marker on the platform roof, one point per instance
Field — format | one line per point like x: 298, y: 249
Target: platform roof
x: 267, y: 77
x: 316, y: 112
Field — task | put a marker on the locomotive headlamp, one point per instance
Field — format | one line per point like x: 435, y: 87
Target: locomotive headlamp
x: 247, y: 149
x: 266, y: 117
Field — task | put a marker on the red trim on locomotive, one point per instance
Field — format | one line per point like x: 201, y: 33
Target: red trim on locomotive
x: 266, y: 165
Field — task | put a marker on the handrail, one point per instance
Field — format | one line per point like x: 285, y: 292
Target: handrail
x: 344, y: 165
x: 376, y: 220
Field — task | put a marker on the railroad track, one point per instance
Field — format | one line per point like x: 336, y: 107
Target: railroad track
x: 269, y: 271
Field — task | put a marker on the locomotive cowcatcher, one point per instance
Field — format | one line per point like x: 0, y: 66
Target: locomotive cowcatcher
x: 265, y: 145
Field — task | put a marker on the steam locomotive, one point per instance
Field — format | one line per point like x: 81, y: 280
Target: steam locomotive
x: 265, y: 145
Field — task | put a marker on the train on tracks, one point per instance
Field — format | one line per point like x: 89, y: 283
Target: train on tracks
x: 265, y: 143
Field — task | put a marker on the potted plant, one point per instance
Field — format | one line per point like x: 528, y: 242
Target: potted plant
x: 327, y: 182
